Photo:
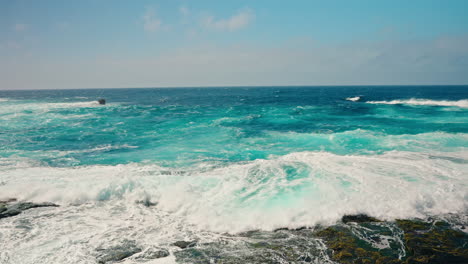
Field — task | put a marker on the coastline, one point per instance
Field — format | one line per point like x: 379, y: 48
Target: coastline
x: 355, y: 239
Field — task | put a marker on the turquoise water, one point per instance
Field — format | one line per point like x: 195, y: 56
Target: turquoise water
x: 183, y: 127
x: 228, y: 159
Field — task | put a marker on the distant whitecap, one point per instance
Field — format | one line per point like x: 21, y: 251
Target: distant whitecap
x: 354, y: 99
x: 460, y: 103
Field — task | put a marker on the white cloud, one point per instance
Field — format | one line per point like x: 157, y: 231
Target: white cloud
x: 235, y: 22
x: 20, y: 27
x: 150, y: 22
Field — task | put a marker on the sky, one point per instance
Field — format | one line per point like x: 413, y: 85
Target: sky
x: 55, y: 44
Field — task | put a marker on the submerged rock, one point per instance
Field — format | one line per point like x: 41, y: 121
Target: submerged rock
x: 357, y: 239
x: 185, y: 244
x: 258, y: 247
x: 153, y: 253
x: 12, y: 209
x: 345, y: 247
x: 117, y: 253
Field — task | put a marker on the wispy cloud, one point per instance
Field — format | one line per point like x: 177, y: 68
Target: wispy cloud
x: 150, y: 22
x: 238, y: 21
x: 20, y: 27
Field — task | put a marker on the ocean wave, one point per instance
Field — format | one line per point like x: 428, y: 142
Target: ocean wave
x: 354, y: 99
x: 351, y: 141
x: 42, y: 107
x: 73, y: 104
x: 298, y: 189
x: 460, y: 103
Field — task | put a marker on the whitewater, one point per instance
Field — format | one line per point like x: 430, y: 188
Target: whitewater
x: 157, y: 166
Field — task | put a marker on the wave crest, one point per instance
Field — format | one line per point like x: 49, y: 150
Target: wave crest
x: 413, y: 101
x: 298, y: 189
x: 353, y: 99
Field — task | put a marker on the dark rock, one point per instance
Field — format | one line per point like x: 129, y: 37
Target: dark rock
x: 291, y: 229
x: 366, y: 241
x: 184, y: 244
x: 102, y: 101
x: 7, y: 210
x: 117, y: 253
x: 433, y: 243
x: 347, y: 248
x: 28, y: 205
x: 146, y: 202
x: 262, y: 247
x: 305, y: 259
x: 360, y: 218
x: 9, y: 200
x: 9, y: 213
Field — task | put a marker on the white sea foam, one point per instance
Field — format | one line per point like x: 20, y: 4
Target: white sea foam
x: 354, y: 99
x: 245, y: 196
x: 73, y: 104
x: 22, y: 108
x: 414, y: 101
x: 98, y: 202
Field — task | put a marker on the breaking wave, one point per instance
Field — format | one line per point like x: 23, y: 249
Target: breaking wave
x: 460, y: 103
x: 354, y: 99
x: 298, y: 189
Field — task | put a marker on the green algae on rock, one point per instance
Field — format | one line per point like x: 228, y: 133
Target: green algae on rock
x: 358, y: 240
x: 345, y: 247
x: 434, y: 242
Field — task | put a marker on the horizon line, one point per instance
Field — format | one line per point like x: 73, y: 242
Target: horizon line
x: 236, y: 86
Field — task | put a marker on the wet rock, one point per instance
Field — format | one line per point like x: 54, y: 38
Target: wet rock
x: 147, y: 202
x: 102, y: 101
x: 8, y: 200
x: 360, y: 218
x: 2, y: 208
x: 291, y: 229
x: 433, y: 242
x: 345, y: 247
x: 305, y: 259
x: 117, y: 253
x: 185, y: 244
x: 8, y: 210
x: 154, y: 253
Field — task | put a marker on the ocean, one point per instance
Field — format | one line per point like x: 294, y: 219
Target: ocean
x: 158, y: 165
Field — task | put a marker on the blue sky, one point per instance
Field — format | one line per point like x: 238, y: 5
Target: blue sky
x: 102, y: 43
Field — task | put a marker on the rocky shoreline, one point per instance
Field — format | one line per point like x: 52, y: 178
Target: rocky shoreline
x: 12, y: 207
x: 357, y: 239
